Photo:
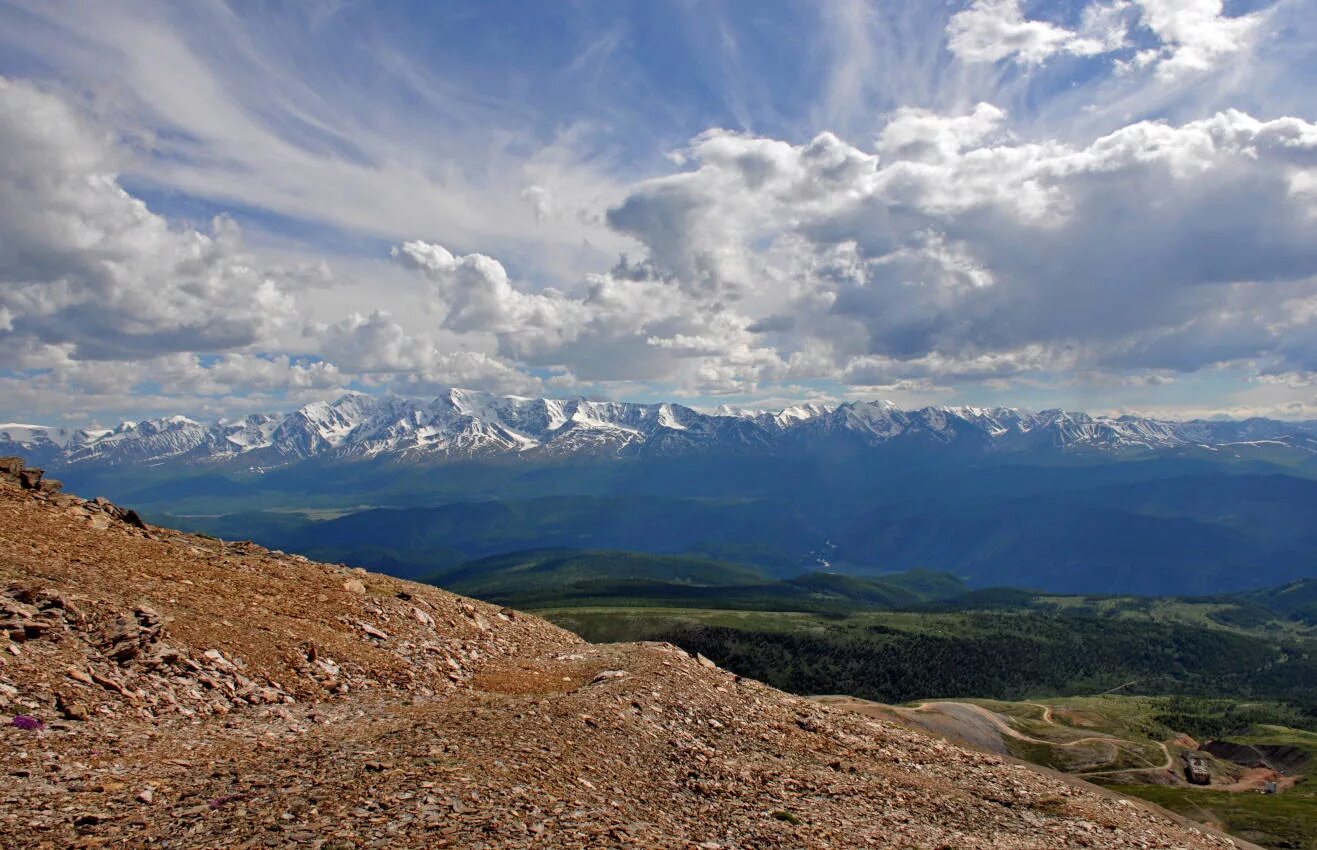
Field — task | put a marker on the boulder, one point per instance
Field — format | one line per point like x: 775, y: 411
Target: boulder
x: 71, y: 709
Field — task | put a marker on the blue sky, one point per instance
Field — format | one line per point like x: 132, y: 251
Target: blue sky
x: 213, y: 208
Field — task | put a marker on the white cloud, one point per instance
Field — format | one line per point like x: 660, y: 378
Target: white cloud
x: 540, y: 200
x: 1155, y: 246
x: 377, y: 346
x: 78, y: 389
x: 954, y: 254
x: 989, y: 30
x: 101, y: 298
x: 1193, y: 35
x: 221, y: 109
x: 477, y: 296
x: 84, y: 263
x: 925, y: 135
x: 884, y: 232
x: 619, y: 326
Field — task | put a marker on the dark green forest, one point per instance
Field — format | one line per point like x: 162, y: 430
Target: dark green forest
x: 899, y: 657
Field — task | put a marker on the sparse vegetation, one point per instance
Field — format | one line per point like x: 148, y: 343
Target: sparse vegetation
x: 1285, y: 821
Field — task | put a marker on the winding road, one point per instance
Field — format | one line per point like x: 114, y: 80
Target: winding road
x: 958, y: 710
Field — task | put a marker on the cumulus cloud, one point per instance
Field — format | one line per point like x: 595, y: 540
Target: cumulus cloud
x: 989, y: 30
x: 101, y: 298
x: 84, y: 263
x: 964, y: 253
x: 619, y: 326
x: 1195, y: 33
x: 1191, y: 35
x: 377, y: 346
x: 167, y: 384
x: 475, y: 291
x: 926, y: 135
x: 951, y: 253
x: 682, y: 219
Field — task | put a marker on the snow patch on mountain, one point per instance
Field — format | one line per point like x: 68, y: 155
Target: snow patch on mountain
x: 466, y: 423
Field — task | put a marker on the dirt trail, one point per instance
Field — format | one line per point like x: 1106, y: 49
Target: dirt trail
x: 1006, y: 729
x: 973, y: 725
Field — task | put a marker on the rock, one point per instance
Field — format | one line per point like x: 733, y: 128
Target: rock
x: 146, y: 796
x: 30, y: 479
x: 606, y: 675
x: 371, y: 631
x: 91, y: 818
x: 476, y: 617
x: 422, y: 617
x: 34, y: 629
x: 130, y: 634
x: 110, y: 684
x: 71, y: 709
x: 354, y: 585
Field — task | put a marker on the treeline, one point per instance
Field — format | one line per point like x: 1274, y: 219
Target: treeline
x: 1207, y: 719
x: 1008, y: 657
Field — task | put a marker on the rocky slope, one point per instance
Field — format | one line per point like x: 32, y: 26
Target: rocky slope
x: 466, y: 424
x: 159, y: 689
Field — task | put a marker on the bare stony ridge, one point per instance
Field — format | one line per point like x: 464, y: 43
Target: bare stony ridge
x: 159, y: 689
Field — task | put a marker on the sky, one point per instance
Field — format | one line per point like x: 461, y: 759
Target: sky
x: 214, y: 208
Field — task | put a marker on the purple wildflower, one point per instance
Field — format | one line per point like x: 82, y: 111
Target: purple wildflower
x: 28, y: 722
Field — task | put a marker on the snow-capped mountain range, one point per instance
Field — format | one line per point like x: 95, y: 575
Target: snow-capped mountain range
x: 465, y: 424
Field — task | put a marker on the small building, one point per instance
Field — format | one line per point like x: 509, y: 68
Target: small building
x: 1195, y: 769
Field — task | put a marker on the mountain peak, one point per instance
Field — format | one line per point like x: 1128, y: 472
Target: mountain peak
x: 462, y: 423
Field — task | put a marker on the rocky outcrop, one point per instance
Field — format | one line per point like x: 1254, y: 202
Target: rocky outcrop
x: 159, y: 689
x: 27, y: 477
x: 1280, y: 758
